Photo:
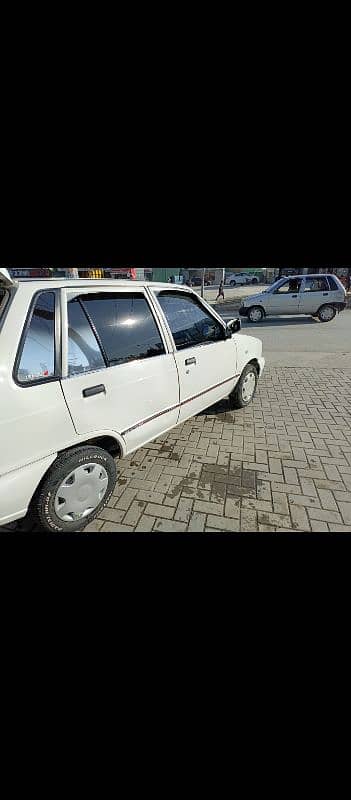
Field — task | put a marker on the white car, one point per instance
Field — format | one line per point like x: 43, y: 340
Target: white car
x: 320, y: 295
x: 91, y: 371
x: 238, y: 279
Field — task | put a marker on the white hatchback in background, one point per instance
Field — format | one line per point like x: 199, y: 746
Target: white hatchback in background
x: 239, y: 279
x: 90, y: 371
x: 321, y: 296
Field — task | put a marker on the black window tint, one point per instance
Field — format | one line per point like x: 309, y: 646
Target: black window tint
x: 84, y: 353
x: 37, y: 360
x: 125, y: 326
x: 189, y: 321
x: 317, y: 283
x: 333, y: 284
x: 3, y: 299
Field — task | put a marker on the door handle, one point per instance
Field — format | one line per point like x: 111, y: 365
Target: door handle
x: 100, y: 389
x: 325, y: 294
x: 294, y: 295
x: 190, y: 361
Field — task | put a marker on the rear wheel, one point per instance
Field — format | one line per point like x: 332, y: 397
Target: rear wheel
x: 78, y: 485
x: 254, y: 280
x: 233, y: 283
x: 245, y: 389
x: 326, y: 313
x: 255, y: 314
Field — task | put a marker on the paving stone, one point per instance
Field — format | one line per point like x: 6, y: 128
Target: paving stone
x: 319, y: 526
x: 145, y: 524
x: 197, y: 522
x: 280, y: 503
x: 267, y: 518
x: 299, y: 518
x: 134, y: 513
x: 112, y: 527
x: 151, y: 497
x: 209, y: 508
x: 345, y: 509
x: 223, y: 523
x: 94, y: 526
x: 325, y: 516
x: 340, y: 528
x: 169, y: 526
x: 232, y: 507
x: 126, y: 499
x: 159, y: 511
x: 303, y: 500
x: 112, y: 514
x: 327, y: 500
x: 183, y: 510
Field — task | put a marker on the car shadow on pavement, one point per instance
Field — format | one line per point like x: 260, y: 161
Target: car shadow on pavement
x: 274, y: 321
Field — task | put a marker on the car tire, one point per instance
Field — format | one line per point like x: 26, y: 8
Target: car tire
x: 326, y: 313
x: 255, y: 314
x: 245, y: 389
x: 233, y: 283
x: 254, y: 280
x: 61, y: 486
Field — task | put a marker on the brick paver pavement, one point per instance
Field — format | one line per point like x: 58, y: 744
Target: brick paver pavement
x: 283, y: 464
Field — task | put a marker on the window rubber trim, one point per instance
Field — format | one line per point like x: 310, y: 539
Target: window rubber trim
x: 57, y: 341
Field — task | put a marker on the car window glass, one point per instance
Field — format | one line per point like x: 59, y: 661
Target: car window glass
x: 333, y: 284
x: 189, y: 321
x: 37, y: 360
x: 84, y: 353
x: 291, y: 286
x: 125, y: 326
x: 317, y: 283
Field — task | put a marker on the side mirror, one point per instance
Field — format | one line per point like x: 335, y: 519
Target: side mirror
x: 233, y: 326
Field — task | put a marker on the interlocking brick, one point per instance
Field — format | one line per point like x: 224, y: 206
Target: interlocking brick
x: 208, y: 508
x: 280, y: 503
x: 151, y: 497
x: 197, y: 522
x: 232, y: 507
x: 169, y: 526
x: 134, y: 513
x: 112, y: 527
x: 183, y: 510
x: 223, y: 523
x: 290, y: 475
x: 145, y: 524
x: 327, y: 500
x: 325, y: 516
x: 319, y: 526
x: 303, y: 500
x: 340, y: 528
x: 112, y: 514
x: 159, y: 511
x: 299, y: 518
x: 308, y: 487
x: 345, y: 509
x: 267, y: 518
x: 126, y: 499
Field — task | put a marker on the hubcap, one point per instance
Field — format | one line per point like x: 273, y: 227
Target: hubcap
x: 327, y: 313
x: 81, y: 492
x: 249, y: 384
x: 256, y: 315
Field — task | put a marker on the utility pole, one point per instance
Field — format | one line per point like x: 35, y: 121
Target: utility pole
x: 202, y: 281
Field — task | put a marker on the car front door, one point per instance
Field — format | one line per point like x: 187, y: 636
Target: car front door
x: 315, y: 292
x: 119, y: 373
x: 206, y: 360
x: 285, y: 299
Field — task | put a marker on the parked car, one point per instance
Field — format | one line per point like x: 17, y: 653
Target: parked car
x: 93, y: 370
x: 241, y: 278
x: 196, y: 280
x: 321, y: 296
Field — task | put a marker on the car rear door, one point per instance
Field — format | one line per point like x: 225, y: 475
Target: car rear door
x: 315, y: 292
x: 119, y: 373
x: 206, y: 360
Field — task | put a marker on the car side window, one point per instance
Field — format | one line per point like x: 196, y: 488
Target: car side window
x: 189, y: 322
x: 37, y: 356
x: 124, y: 326
x: 317, y: 283
x: 291, y: 286
x: 333, y: 284
x: 84, y: 354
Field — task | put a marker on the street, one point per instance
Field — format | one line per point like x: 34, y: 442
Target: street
x: 299, y: 341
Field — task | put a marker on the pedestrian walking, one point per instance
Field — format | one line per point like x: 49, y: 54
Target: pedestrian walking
x: 72, y: 272
x: 220, y: 291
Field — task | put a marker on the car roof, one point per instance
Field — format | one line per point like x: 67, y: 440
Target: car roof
x: 77, y: 283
